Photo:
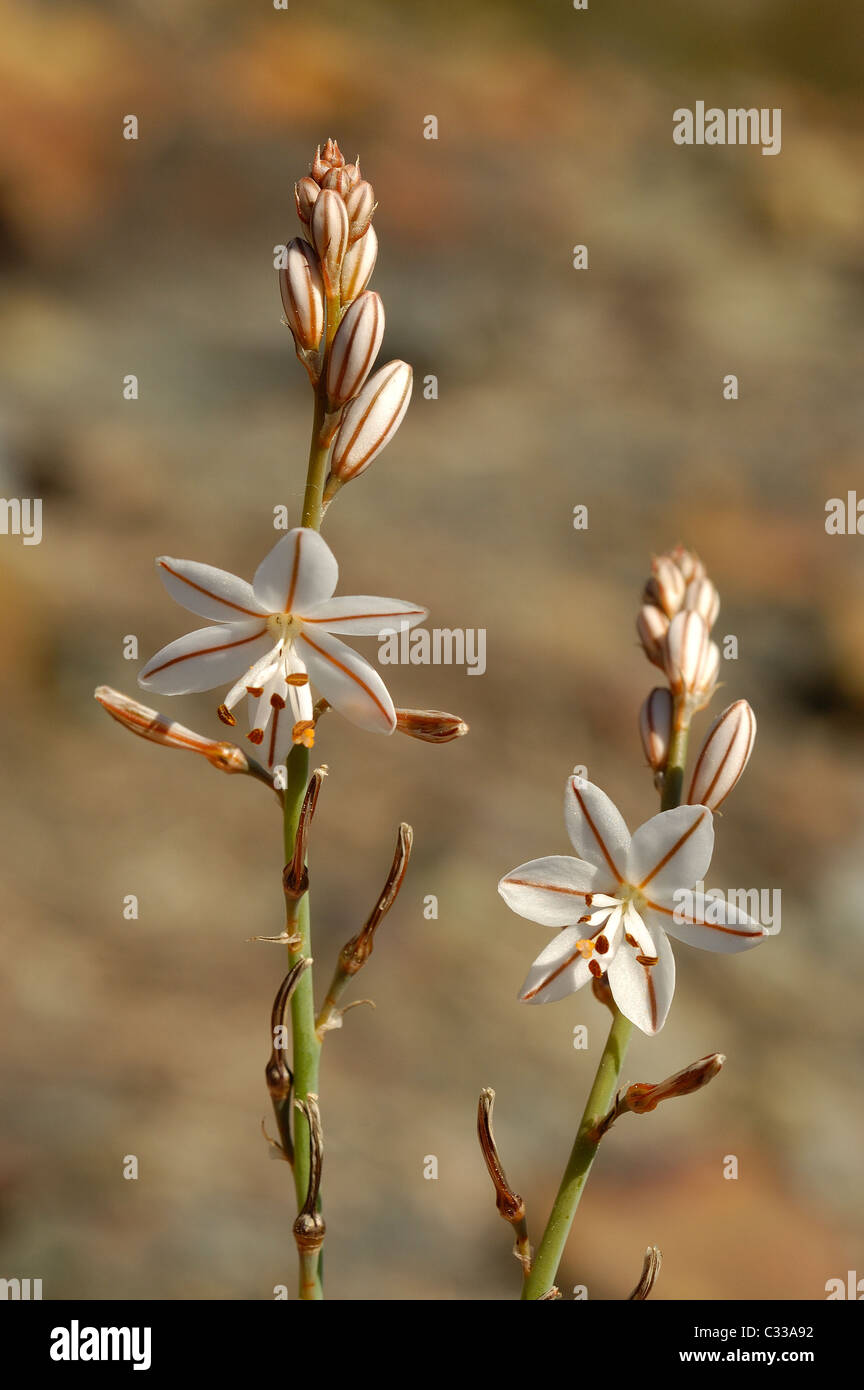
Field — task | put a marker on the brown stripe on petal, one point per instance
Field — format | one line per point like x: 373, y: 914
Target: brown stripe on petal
x: 550, y: 888
x: 711, y: 926
x: 294, y: 572
x: 360, y: 463
x: 206, y: 651
x: 352, y: 617
x: 670, y: 854
x: 340, y: 665
x: 544, y: 984
x: 209, y: 593
x: 596, y: 833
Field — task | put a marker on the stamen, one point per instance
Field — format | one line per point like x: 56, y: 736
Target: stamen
x: 648, y: 960
x: 256, y: 736
x: 225, y: 715
x: 304, y: 732
x: 602, y: 945
x: 277, y: 702
x: 631, y: 940
x: 596, y: 968
x: 297, y: 678
x: 255, y: 690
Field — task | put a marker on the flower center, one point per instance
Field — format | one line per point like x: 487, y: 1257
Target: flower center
x: 285, y: 627
x: 629, y: 893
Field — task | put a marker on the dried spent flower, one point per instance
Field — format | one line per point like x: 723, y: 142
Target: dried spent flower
x: 723, y: 756
x: 650, y: 1271
x: 430, y: 725
x: 150, y: 724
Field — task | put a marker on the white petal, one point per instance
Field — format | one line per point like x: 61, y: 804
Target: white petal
x: 363, y: 615
x: 559, y: 970
x: 550, y: 891
x: 643, y: 993
x: 350, y: 684
x: 204, y: 659
x: 300, y: 696
x: 300, y: 571
x: 209, y: 592
x: 728, y: 928
x: 670, y: 851
x: 596, y: 829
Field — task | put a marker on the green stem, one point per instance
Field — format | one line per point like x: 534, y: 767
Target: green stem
x: 584, y: 1151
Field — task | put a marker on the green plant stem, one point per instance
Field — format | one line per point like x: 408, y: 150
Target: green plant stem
x: 307, y: 1047
x: 584, y: 1151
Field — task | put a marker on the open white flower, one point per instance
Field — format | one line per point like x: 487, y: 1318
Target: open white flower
x: 617, y: 902
x: 274, y: 636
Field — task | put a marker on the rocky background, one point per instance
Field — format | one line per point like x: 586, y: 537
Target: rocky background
x: 556, y: 387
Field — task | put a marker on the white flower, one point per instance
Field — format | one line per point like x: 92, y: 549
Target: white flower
x: 273, y: 636
x: 617, y: 902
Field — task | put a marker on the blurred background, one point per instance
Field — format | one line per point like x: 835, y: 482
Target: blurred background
x: 557, y: 387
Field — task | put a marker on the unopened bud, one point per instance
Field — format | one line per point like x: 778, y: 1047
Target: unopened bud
x: 371, y: 420
x: 430, y: 725
x: 689, y: 564
x: 302, y: 291
x: 338, y: 180
x: 723, y: 756
x: 358, y: 265
x: 684, y: 651
x: 355, y: 347
x: 652, y: 626
x: 644, y: 1097
x: 333, y: 155
x: 706, y: 677
x: 353, y: 172
x: 666, y: 586
x: 702, y: 597
x: 305, y: 196
x: 655, y: 726
x: 156, y: 728
x: 329, y: 230
x: 360, y: 202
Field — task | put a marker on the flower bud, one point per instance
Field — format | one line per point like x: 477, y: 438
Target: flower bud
x: 652, y: 626
x: 331, y: 157
x: 329, y: 230
x: 302, y: 291
x: 337, y: 179
x: 666, y: 586
x: 655, y: 726
x: 723, y: 756
x: 358, y: 265
x: 355, y: 347
x: 305, y: 194
x: 684, y: 651
x: 702, y: 597
x: 430, y: 725
x: 353, y: 172
x: 689, y: 564
x: 371, y: 420
x: 706, y: 677
x: 361, y: 205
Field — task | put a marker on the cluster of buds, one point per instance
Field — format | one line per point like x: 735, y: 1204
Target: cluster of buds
x: 679, y: 608
x: 338, y: 323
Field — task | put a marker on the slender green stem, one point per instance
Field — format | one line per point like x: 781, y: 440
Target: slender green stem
x: 584, y: 1151
x: 551, y: 1247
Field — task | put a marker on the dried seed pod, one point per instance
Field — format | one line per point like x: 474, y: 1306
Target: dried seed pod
x: 684, y: 651
x: 358, y: 265
x: 723, y: 756
x: 355, y: 347
x: 329, y: 231
x: 302, y: 289
x: 306, y: 193
x: 655, y: 726
x: 652, y: 626
x: 371, y: 420
x: 361, y: 205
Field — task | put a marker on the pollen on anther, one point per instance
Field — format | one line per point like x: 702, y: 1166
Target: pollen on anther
x: 595, y: 968
x: 225, y: 715
x: 256, y: 691
x: 648, y: 960
x: 277, y: 702
x: 256, y: 736
x: 589, y: 898
x: 298, y: 678
x: 601, y: 945
x: 631, y: 940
